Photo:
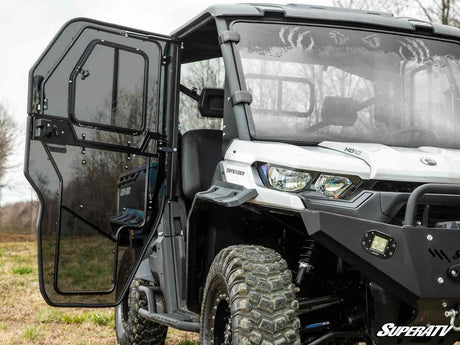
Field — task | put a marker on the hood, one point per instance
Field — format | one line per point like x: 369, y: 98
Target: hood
x: 422, y: 164
x: 305, y: 158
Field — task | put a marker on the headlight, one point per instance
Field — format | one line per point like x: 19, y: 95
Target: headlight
x: 295, y: 180
x: 332, y: 186
x: 284, y: 179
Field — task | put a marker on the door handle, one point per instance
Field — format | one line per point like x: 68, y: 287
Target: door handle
x: 45, y: 129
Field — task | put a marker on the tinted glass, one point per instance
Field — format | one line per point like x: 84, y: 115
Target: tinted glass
x: 390, y: 89
x: 46, y: 180
x: 109, y: 88
x: 86, y: 258
x: 93, y: 87
x: 81, y: 200
x: 84, y: 186
x: 131, y: 68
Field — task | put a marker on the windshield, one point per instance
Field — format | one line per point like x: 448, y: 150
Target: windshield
x: 311, y: 84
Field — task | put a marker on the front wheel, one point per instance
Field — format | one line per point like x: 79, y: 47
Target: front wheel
x: 249, y: 298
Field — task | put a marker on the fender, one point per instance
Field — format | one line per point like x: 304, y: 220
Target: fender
x: 221, y: 201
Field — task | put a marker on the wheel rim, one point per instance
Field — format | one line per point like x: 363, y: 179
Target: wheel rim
x: 223, y: 324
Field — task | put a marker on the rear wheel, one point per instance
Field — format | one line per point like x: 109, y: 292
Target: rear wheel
x: 249, y: 299
x: 132, y: 329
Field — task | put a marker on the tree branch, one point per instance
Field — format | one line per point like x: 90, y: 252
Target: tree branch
x: 425, y: 10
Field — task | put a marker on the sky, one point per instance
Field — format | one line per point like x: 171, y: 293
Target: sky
x: 27, y: 27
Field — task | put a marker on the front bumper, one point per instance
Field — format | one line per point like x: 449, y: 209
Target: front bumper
x: 418, y: 269
x: 421, y: 261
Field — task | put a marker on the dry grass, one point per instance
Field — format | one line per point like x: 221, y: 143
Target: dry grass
x: 7, y: 238
x: 26, y: 319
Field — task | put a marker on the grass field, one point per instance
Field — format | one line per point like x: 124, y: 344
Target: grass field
x: 26, y: 319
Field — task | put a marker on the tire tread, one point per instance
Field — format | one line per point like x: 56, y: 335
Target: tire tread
x: 262, y: 296
x: 140, y: 330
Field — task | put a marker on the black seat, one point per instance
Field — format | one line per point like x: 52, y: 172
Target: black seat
x: 201, y: 151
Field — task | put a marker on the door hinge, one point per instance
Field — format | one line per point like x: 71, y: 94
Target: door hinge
x: 167, y: 149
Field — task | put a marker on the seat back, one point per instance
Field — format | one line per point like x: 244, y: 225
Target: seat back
x: 201, y: 151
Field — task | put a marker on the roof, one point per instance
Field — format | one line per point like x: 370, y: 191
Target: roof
x: 324, y: 14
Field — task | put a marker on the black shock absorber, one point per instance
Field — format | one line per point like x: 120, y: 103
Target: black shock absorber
x: 308, y: 259
x: 356, y: 318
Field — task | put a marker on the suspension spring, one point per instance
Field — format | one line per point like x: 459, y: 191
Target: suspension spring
x: 307, y: 261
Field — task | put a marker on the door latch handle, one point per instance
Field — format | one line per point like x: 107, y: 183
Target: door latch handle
x: 46, y: 129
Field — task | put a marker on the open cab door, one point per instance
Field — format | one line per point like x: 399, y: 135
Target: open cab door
x: 95, y: 120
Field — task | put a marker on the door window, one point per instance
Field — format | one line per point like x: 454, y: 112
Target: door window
x: 109, y: 88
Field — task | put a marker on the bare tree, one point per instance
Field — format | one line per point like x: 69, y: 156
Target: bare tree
x: 7, y: 137
x: 436, y: 11
x: 443, y: 11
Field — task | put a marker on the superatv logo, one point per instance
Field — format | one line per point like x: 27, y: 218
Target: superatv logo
x: 391, y: 330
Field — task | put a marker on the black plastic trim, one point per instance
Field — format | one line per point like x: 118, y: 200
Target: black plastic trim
x: 241, y: 97
x: 229, y: 36
x: 227, y: 194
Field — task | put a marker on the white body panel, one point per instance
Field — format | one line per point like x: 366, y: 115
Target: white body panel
x: 368, y: 161
x: 404, y: 164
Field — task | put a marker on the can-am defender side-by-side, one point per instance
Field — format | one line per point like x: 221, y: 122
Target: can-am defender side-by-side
x: 265, y: 175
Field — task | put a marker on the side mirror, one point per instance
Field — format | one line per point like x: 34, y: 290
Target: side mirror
x: 211, y: 103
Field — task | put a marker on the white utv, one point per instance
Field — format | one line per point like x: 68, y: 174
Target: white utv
x: 315, y: 199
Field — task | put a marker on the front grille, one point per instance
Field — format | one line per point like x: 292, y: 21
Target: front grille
x: 436, y: 214
x: 394, y: 186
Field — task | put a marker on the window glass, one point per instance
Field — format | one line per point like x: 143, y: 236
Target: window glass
x: 367, y: 86
x: 93, y: 88
x: 109, y: 88
x: 280, y: 95
x: 129, y: 90
x: 198, y: 75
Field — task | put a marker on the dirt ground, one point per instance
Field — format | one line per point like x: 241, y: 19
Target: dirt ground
x: 25, y: 318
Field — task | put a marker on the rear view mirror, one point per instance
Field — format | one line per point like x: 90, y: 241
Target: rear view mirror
x: 339, y: 111
x: 211, y: 103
